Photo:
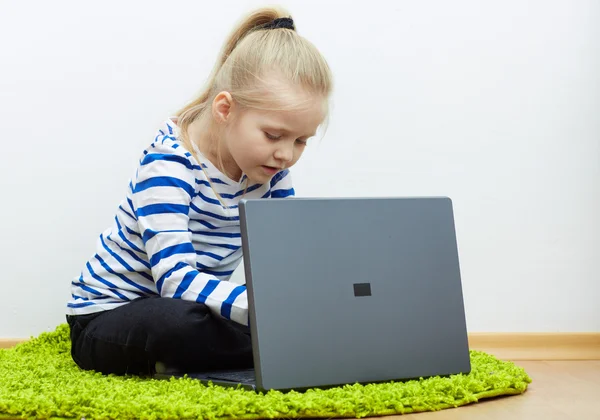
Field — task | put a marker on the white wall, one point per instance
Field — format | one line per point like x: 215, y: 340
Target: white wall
x: 495, y: 104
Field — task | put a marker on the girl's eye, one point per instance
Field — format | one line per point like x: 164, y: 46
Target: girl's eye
x: 272, y: 137
x: 301, y: 142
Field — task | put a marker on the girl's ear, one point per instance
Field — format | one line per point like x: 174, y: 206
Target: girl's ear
x: 222, y: 107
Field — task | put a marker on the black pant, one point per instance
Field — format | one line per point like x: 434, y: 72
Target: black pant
x: 183, y: 335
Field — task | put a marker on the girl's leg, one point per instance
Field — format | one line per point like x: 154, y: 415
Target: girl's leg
x: 182, y: 335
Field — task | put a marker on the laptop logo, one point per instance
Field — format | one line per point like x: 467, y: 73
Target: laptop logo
x: 362, y: 289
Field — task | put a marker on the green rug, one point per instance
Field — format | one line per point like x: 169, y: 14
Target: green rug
x: 38, y: 379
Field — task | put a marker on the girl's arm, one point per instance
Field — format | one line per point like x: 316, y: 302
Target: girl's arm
x: 281, y: 185
x: 163, y: 190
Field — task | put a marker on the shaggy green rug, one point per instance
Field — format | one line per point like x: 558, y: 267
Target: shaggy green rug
x: 38, y: 379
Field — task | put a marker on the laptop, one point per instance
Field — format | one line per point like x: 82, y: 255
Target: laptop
x: 350, y: 290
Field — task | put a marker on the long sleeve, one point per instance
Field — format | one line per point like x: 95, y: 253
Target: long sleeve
x: 281, y: 185
x: 162, y: 192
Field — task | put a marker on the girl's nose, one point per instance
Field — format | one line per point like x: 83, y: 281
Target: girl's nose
x: 285, y: 152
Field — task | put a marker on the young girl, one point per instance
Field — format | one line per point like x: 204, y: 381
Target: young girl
x: 156, y: 293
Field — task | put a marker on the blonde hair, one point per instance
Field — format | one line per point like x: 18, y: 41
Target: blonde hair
x: 250, y: 54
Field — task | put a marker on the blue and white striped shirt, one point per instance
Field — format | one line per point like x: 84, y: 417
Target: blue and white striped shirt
x: 171, y: 235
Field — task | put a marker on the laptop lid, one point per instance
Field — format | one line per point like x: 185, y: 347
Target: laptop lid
x: 353, y: 290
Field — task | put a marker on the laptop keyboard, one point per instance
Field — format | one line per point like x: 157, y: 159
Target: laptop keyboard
x: 245, y: 376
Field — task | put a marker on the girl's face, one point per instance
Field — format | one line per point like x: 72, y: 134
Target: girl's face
x: 262, y: 143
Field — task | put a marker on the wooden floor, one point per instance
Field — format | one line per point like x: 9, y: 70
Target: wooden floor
x: 560, y: 390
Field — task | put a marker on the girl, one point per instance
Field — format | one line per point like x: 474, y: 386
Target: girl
x: 156, y: 293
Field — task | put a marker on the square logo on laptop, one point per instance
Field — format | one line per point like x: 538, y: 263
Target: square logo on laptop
x: 362, y: 289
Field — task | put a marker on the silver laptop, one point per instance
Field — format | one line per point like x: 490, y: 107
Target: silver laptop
x: 350, y: 290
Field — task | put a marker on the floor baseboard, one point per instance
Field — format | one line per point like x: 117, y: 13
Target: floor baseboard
x: 6, y: 343
x: 509, y: 346
x: 538, y: 346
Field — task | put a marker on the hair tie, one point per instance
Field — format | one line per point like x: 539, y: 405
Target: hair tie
x: 280, y: 23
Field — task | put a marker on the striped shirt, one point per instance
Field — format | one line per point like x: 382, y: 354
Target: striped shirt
x: 171, y: 236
